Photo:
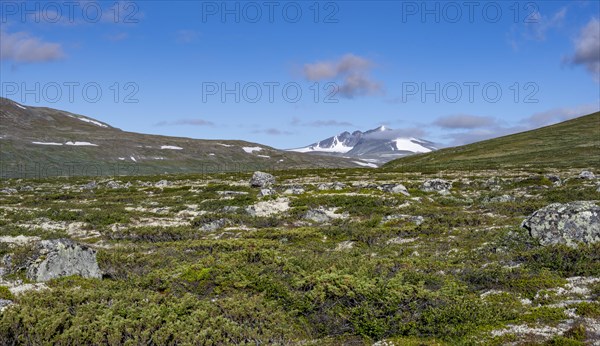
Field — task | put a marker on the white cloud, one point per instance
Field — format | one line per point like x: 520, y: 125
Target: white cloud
x: 587, y: 48
x: 352, y: 71
x: 463, y: 121
x: 22, y: 47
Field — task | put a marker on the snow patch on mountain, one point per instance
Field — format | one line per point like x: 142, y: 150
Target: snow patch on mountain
x: 365, y: 164
x: 81, y: 144
x: 410, y: 144
x: 171, y: 147
x: 46, y: 143
x: 250, y: 150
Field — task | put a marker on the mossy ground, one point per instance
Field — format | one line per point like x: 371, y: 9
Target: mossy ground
x: 468, y: 270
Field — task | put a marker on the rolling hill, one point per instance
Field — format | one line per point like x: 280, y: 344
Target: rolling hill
x: 571, y: 144
x: 37, y: 141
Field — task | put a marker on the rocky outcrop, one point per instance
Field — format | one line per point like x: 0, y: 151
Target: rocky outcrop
x: 62, y: 257
x: 587, y: 175
x: 262, y: 179
x: 331, y: 186
x: 440, y: 186
x: 394, y: 188
x: 570, y: 223
x: 163, y: 183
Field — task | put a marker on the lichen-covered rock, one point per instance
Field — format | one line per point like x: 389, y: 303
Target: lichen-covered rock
x: 587, y: 175
x: 262, y: 179
x: 294, y: 190
x: 90, y: 186
x: 113, y: 185
x: 438, y: 185
x: 63, y: 257
x: 331, y: 186
x: 214, y: 225
x: 394, y: 188
x: 9, y: 191
x: 569, y: 223
x: 555, y: 179
x: 501, y: 199
x: 317, y: 215
x: 163, y: 183
x: 266, y: 192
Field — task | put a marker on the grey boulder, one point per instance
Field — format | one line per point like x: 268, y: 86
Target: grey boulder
x: 437, y: 185
x: 394, y: 188
x: 262, y: 179
x: 569, y: 223
x: 587, y: 175
x: 63, y: 257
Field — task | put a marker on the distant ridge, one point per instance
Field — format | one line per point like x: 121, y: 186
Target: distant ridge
x: 571, y: 144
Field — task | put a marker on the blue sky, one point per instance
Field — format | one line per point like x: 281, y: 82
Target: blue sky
x: 170, y: 62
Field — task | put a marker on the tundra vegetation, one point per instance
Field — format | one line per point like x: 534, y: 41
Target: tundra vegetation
x: 207, y: 260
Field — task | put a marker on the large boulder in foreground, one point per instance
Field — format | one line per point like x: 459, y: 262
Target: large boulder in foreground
x: 262, y: 179
x: 569, y: 223
x: 63, y: 257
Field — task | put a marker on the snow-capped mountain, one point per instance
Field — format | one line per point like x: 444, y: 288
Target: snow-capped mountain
x: 378, y: 145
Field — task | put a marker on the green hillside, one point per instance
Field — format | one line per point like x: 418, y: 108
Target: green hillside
x: 573, y: 144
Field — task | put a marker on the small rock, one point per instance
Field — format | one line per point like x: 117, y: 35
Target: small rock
x: 296, y: 190
x: 214, y: 225
x: 63, y: 257
x: 587, y: 175
x: 230, y: 209
x: 331, y: 186
x: 317, y: 215
x: 262, y: 179
x: 90, y: 186
x: 4, y: 303
x: 502, y: 199
x: 266, y: 192
x: 163, y: 183
x: 394, y: 188
x: 345, y: 245
x: 9, y: 191
x: 113, y: 185
x: 26, y: 188
x: 567, y: 223
x: 438, y: 185
x: 417, y: 219
x: 555, y: 179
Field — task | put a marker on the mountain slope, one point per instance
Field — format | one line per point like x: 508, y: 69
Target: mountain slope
x: 55, y: 140
x: 571, y: 144
x: 378, y: 145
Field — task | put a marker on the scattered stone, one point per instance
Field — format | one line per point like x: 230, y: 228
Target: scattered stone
x: 113, y: 185
x: 322, y: 215
x: 400, y: 240
x: 567, y: 223
x: 163, y: 183
x: 345, y: 245
x: 214, y: 225
x: 587, y: 175
x: 295, y: 190
x: 266, y: 192
x: 230, y: 209
x: 262, y: 179
x: 63, y: 257
x: 9, y: 191
x: 501, y: 199
x: 90, y: 186
x: 440, y: 186
x: 332, y: 186
x: 232, y: 193
x: 268, y: 208
x: 26, y: 188
x: 317, y: 215
x: 555, y: 179
x: 4, y: 303
x: 394, y: 188
x: 418, y: 219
